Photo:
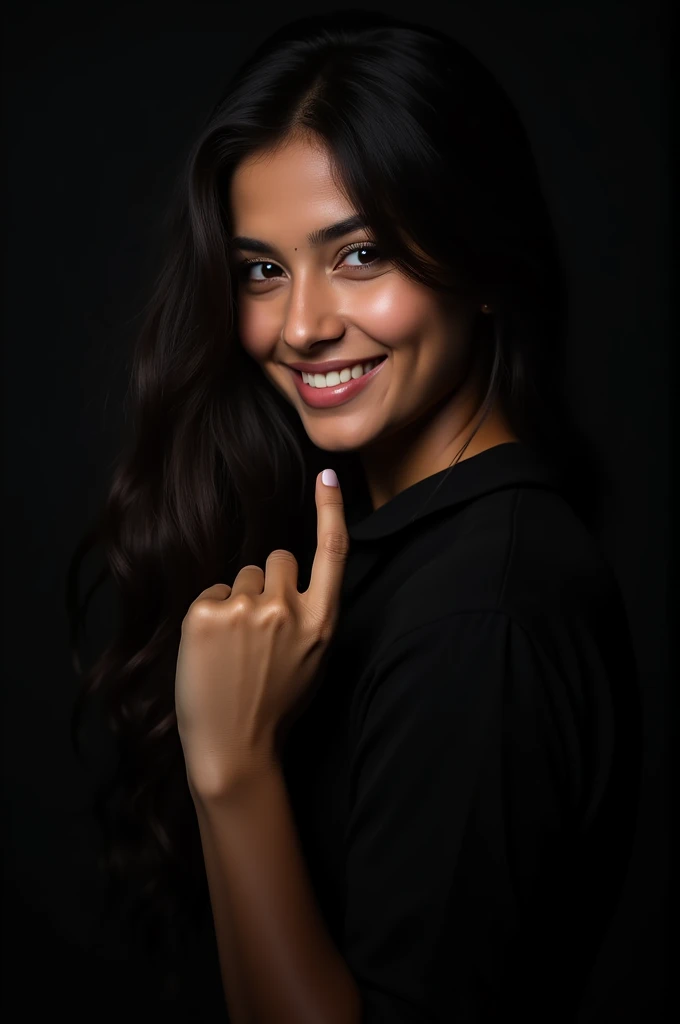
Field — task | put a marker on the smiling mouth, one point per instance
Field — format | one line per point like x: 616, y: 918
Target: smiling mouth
x: 337, y: 391
x: 354, y: 371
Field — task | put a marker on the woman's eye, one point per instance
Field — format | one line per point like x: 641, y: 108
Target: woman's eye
x: 259, y: 271
x: 361, y: 251
x: 246, y: 268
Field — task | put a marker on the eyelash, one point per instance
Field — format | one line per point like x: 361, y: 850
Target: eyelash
x: 244, y: 265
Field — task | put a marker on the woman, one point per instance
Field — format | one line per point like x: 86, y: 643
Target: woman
x: 384, y: 732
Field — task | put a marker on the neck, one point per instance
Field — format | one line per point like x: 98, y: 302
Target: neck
x: 432, y: 443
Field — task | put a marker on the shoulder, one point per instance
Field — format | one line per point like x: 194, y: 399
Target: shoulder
x: 521, y: 552
x: 514, y: 602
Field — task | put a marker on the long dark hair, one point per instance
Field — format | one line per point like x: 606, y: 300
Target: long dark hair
x: 216, y: 470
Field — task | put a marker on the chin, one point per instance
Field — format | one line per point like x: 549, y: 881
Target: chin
x: 337, y: 443
x: 337, y: 447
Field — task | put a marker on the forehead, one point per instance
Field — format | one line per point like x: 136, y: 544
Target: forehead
x: 292, y: 184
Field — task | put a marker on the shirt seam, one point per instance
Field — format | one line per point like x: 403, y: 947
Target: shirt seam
x: 505, y: 577
x: 464, y: 611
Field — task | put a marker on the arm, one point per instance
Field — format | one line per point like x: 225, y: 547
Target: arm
x: 462, y: 753
x: 277, y: 960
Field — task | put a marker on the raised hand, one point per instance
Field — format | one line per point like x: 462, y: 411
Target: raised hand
x: 249, y: 652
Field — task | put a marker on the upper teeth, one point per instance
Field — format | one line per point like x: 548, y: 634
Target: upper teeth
x: 331, y: 380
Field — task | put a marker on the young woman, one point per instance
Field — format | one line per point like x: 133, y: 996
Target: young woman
x: 385, y: 734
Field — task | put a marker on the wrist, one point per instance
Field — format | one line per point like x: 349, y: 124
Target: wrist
x: 215, y: 784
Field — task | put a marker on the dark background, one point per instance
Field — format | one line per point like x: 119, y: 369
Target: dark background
x: 99, y: 107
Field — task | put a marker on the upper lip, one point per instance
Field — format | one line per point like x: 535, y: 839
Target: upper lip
x: 331, y: 364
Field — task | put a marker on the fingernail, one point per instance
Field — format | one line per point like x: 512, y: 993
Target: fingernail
x: 329, y: 478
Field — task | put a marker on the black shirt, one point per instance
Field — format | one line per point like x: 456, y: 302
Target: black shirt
x: 464, y: 776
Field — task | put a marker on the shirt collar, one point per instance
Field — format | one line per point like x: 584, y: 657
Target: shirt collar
x: 509, y: 464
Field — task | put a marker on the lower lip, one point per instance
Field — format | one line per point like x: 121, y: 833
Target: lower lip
x: 325, y: 398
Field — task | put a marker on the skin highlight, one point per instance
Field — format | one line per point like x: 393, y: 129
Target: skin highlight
x: 317, y: 302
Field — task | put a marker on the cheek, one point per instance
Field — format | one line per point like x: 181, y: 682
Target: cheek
x: 396, y: 313
x: 392, y: 311
x: 259, y: 328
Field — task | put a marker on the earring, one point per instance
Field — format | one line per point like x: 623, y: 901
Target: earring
x: 486, y: 308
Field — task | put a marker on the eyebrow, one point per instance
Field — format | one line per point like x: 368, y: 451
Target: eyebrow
x: 315, y: 238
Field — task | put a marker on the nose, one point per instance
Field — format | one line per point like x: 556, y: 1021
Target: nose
x: 311, y: 314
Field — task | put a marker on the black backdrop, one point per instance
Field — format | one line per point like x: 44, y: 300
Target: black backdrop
x: 99, y: 106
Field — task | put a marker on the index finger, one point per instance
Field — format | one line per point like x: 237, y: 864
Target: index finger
x: 322, y: 597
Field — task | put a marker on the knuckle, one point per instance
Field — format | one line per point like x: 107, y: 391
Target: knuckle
x: 324, y: 634
x: 277, y: 613
x: 336, y: 545
x: 281, y: 555
x: 257, y: 568
x: 240, y: 606
x: 321, y: 629
x: 200, y: 617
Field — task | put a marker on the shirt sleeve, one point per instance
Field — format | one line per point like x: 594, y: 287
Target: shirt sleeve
x: 465, y: 778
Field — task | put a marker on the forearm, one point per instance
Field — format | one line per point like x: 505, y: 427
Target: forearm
x: 277, y: 959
